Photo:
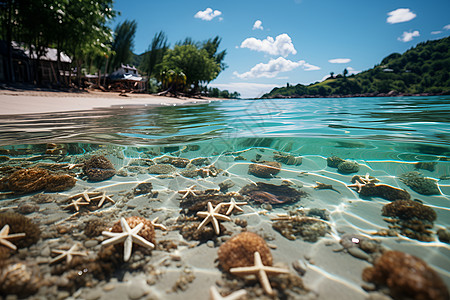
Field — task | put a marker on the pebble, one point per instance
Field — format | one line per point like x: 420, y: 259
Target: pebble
x: 90, y: 243
x: 358, y: 253
x: 210, y: 244
x: 45, y: 251
x: 108, y: 287
x: 93, y: 294
x: 136, y: 290
x: 62, y: 295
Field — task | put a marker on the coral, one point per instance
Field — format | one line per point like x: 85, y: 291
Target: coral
x: 406, y: 276
x: 28, y: 180
x: 418, y: 183
x: 384, y: 191
x: 98, y: 168
x: 239, y: 251
x: 408, y: 209
x: 310, y: 229
x: 94, y: 228
x: 190, y: 232
x: 161, y: 169
x: 18, y: 278
x: 271, y: 193
x: 334, y: 161
x: 174, y: 161
x: 200, y: 161
x: 59, y: 183
x: 264, y: 169
x: 199, y: 202
x: 287, y: 159
x: 19, y: 223
x: 347, y: 167
x: 411, y: 218
x: 426, y: 165
x: 147, y: 232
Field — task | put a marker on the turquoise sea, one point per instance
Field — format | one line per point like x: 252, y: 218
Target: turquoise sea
x: 399, y: 142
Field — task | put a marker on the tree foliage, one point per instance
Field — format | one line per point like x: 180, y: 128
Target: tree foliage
x: 422, y: 69
x: 123, y: 43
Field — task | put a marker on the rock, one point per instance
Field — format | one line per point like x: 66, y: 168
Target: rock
x: 418, y: 183
x: 98, y: 168
x: 443, y: 235
x: 161, y: 169
x: 347, y: 167
x: 271, y: 193
x: 426, y: 165
x: 239, y: 251
x: 27, y: 208
x: 409, y: 209
x: 265, y: 169
x: 20, y: 224
x: 310, y: 229
x: 334, y: 161
x: 288, y: 159
x: 358, y: 253
x: 406, y: 276
x: 143, y: 188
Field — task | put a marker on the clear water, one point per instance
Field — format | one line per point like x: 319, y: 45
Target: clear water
x: 387, y: 137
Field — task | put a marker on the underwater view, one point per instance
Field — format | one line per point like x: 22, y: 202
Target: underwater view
x: 345, y: 198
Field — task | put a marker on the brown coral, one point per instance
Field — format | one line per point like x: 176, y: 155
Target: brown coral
x: 239, y: 251
x: 407, y: 277
x: 19, y: 279
x: 264, y: 169
x: 20, y: 224
x: 98, y: 168
x: 408, y: 209
x: 28, y: 180
x: 147, y: 232
x: 384, y: 191
x: 271, y: 193
x: 59, y: 183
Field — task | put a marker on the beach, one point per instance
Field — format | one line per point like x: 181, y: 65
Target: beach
x: 34, y: 102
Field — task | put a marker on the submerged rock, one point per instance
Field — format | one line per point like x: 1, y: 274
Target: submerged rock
x: 384, y: 191
x: 444, y: 235
x: 161, y: 169
x: 334, y: 161
x: 308, y: 228
x: 347, y: 167
x: 264, y: 169
x: 271, y: 193
x: 418, y: 183
x: 239, y: 251
x: 288, y: 159
x: 98, y: 168
x: 406, y: 276
x: 426, y: 165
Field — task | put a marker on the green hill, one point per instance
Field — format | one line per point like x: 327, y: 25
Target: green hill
x: 424, y: 70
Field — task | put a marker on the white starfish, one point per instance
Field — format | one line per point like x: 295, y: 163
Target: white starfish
x: 72, y: 166
x: 211, y: 216
x: 127, y: 236
x: 188, y: 191
x: 102, y: 199
x: 4, y: 236
x: 358, y: 185
x: 260, y: 271
x: 68, y: 254
x: 85, y: 195
x: 233, y: 205
x: 76, y: 203
x: 215, y: 295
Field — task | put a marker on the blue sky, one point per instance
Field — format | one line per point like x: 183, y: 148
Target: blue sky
x: 295, y: 41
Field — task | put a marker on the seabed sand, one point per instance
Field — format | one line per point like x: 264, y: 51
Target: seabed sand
x: 34, y: 102
x: 329, y: 274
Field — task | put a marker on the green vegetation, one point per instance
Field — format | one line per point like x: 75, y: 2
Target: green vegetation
x: 422, y: 69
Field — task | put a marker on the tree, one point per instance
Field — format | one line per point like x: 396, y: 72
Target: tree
x: 193, y: 62
x: 345, y: 72
x: 332, y: 74
x: 211, y: 46
x: 123, y: 43
x: 155, y: 54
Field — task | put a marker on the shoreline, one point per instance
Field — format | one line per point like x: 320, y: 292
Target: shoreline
x: 14, y: 102
x: 367, y: 95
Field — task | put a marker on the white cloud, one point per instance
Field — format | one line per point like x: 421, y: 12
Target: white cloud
x: 340, y: 60
x: 273, y: 67
x: 352, y: 71
x: 281, y: 45
x: 408, y: 36
x: 207, y: 14
x: 400, y: 15
x: 258, y: 25
x: 246, y: 89
x: 447, y: 27
x: 436, y: 32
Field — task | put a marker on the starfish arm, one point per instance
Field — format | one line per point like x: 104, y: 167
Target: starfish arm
x: 264, y: 280
x: 8, y: 244
x: 214, y: 293
x: 15, y: 235
x: 204, y: 222
x: 127, y: 247
x: 273, y: 270
x: 4, y: 231
x: 231, y: 208
x: 111, y: 234
x: 124, y: 225
x: 69, y: 258
x: 236, y: 295
x: 202, y: 214
x: 58, y: 258
x: 222, y: 217
x: 102, y: 199
x: 216, y: 226
x: 142, y: 242
x: 114, y: 240
x: 79, y: 253
x: 244, y: 270
x: 136, y: 229
x: 59, y: 251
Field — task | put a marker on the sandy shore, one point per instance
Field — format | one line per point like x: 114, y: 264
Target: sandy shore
x: 34, y: 102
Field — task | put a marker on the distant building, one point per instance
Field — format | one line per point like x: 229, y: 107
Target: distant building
x: 388, y: 70
x: 129, y: 77
x: 48, y: 65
